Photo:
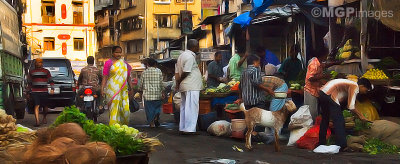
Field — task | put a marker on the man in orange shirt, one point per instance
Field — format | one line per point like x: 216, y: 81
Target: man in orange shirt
x: 314, y: 80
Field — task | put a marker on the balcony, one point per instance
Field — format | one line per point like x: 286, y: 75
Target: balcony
x: 104, y: 21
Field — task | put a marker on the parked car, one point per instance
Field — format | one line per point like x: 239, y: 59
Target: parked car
x: 64, y: 83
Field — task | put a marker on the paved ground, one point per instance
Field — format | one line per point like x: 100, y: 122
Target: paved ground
x: 204, y: 148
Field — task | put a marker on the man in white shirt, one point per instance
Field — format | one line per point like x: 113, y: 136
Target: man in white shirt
x: 189, y: 82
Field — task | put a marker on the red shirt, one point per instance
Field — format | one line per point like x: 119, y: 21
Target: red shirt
x: 313, y: 69
x: 39, y: 79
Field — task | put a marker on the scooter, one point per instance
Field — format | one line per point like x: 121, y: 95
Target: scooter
x: 90, y: 103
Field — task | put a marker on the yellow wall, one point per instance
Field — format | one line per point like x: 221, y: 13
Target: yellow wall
x: 172, y: 8
x: 36, y: 30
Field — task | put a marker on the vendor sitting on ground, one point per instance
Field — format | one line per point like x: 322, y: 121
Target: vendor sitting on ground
x: 331, y: 95
x: 251, y: 88
x: 215, y: 72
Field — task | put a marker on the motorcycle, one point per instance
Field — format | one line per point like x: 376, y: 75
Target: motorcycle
x: 90, y: 106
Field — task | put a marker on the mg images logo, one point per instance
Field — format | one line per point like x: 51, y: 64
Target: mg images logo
x: 349, y: 12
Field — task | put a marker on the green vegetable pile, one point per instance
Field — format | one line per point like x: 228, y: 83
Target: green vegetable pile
x: 361, y: 125
x: 334, y: 74
x: 375, y: 146
x: 123, y: 140
x: 232, y: 107
x: 347, y: 113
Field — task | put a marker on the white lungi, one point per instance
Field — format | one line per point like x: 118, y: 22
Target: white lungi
x: 312, y: 102
x: 189, y: 111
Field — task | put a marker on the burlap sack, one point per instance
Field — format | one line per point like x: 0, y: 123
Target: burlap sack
x: 386, y: 131
x: 104, y: 153
x: 39, y: 154
x: 80, y: 154
x: 70, y: 130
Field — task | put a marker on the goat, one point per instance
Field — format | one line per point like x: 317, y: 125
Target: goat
x: 257, y: 116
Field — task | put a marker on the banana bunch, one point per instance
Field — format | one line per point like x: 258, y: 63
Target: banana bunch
x: 352, y: 77
x: 348, y: 51
x: 375, y: 74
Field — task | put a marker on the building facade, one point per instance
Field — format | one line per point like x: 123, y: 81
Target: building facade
x: 62, y: 29
x: 143, y: 27
x: 105, y: 11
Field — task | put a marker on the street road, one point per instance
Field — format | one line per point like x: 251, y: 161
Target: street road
x: 203, y: 148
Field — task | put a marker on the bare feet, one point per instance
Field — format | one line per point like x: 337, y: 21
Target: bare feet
x: 44, y: 121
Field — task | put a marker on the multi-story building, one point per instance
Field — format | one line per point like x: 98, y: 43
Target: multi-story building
x: 143, y: 27
x: 104, y: 11
x: 60, y: 28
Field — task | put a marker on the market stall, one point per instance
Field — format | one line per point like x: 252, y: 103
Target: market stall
x: 72, y: 138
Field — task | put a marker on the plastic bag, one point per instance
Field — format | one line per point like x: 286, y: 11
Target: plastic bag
x: 220, y: 128
x: 302, y: 118
x: 331, y: 149
x: 177, y: 100
x: 296, y: 134
x: 133, y: 105
x: 311, y: 137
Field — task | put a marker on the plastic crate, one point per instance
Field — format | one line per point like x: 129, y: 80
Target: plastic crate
x: 167, y: 108
x: 205, y: 120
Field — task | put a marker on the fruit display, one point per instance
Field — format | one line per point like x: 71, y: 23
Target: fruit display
x: 352, y: 77
x: 233, y: 83
x: 124, y: 140
x: 348, y: 51
x: 222, y: 88
x: 375, y: 74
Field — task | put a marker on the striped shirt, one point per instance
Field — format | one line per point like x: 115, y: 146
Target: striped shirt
x: 38, y: 80
x: 151, y: 84
x: 249, y: 81
x: 340, y: 90
x: 314, y: 69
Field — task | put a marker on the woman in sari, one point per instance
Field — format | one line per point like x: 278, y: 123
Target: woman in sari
x: 115, y: 84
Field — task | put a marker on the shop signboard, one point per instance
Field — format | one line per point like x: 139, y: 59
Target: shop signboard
x: 187, y: 24
x: 209, y: 4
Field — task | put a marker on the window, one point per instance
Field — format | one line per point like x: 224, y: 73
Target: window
x: 164, y: 21
x: 131, y: 3
x: 162, y: 1
x: 78, y: 12
x: 131, y: 24
x: 134, y: 46
x: 48, y: 43
x: 78, y: 44
x: 183, y: 1
x: 48, y: 11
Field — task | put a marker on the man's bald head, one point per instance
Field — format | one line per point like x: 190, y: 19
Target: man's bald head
x: 193, y: 45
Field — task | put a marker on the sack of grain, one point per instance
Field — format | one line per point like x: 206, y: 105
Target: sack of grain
x: 70, y: 130
x: 386, y: 131
x: 79, y: 154
x: 104, y: 153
